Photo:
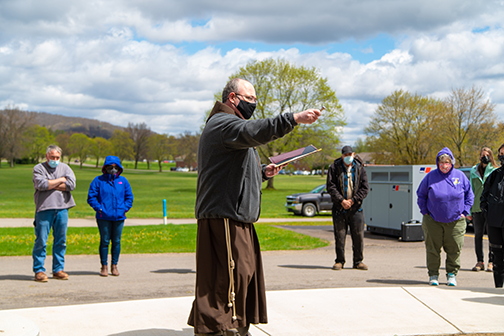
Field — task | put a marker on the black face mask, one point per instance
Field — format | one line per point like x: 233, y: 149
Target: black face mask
x: 501, y: 159
x: 485, y: 159
x: 112, y: 170
x: 246, y: 108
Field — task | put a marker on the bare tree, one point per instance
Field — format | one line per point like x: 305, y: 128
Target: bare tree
x: 2, y: 137
x: 139, y: 133
x: 468, y: 113
x: 62, y: 140
x: 187, y: 148
x: 14, y: 124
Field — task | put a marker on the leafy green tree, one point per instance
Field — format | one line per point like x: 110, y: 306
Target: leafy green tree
x: 360, y: 146
x: 122, y: 145
x: 468, y: 123
x: 160, y: 147
x: 100, y: 147
x: 284, y: 87
x: 404, y: 127
x: 80, y: 146
x: 36, y: 140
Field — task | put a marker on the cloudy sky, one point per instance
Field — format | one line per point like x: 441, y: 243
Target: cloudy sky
x: 161, y: 61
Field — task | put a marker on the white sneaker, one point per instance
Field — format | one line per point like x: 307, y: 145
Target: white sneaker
x: 451, y: 280
x: 433, y: 280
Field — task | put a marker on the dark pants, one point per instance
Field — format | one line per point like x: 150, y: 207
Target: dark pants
x: 496, y: 238
x: 110, y: 231
x: 341, y: 222
x: 480, y: 226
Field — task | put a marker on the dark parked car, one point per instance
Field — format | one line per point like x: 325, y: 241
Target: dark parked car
x: 311, y: 203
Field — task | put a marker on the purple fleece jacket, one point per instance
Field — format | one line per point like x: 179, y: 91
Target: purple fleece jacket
x: 445, y: 197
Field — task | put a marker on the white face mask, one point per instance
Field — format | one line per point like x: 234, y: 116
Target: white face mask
x: 53, y: 163
x: 348, y: 160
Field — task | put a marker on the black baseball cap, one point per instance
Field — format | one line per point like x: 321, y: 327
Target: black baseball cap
x: 346, y: 150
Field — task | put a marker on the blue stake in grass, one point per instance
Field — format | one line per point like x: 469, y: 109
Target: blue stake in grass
x: 164, y: 211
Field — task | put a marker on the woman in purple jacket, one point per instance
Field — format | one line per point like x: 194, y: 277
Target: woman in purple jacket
x: 445, y: 199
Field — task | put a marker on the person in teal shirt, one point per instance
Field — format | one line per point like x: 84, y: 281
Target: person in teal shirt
x: 479, y: 174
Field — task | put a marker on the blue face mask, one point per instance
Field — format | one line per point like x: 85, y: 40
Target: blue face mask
x: 53, y: 163
x: 348, y: 160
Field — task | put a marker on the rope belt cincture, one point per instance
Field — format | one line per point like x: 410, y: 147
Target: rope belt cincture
x: 231, y: 267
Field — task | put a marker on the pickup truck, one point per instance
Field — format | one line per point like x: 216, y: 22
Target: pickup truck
x: 311, y: 203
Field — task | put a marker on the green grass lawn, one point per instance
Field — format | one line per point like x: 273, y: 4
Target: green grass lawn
x: 148, y: 239
x: 149, y: 188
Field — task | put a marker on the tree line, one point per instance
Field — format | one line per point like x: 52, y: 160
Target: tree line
x: 405, y: 129
x: 409, y: 129
x: 23, y: 141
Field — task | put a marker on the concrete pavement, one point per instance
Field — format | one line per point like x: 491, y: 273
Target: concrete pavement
x: 333, y: 311
x: 153, y: 295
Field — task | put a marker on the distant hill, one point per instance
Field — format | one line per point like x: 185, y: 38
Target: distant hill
x: 91, y: 127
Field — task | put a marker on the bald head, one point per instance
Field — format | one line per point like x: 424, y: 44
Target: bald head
x: 238, y: 86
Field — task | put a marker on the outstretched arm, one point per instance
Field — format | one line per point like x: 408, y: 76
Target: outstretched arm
x: 307, y: 117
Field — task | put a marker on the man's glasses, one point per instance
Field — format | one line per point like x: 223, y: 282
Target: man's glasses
x: 248, y: 98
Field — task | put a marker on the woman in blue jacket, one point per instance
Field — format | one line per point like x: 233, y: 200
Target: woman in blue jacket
x: 444, y: 198
x: 111, y: 197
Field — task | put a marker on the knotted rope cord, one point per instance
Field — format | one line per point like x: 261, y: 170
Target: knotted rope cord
x: 231, y: 266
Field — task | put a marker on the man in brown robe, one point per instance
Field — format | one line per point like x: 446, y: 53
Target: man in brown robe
x: 230, y: 292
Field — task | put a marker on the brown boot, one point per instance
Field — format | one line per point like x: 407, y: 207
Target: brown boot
x: 361, y: 266
x: 61, y: 275
x: 104, y: 271
x: 41, y: 277
x: 114, y: 270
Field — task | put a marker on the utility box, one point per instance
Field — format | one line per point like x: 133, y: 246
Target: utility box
x: 412, y: 231
x: 392, y: 199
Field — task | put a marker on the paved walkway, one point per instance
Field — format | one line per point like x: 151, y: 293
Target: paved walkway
x: 339, y: 311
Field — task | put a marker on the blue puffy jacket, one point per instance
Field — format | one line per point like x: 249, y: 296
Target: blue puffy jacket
x: 110, y: 195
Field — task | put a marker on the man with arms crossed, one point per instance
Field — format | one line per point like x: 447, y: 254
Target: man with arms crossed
x: 53, y: 180
x: 230, y: 291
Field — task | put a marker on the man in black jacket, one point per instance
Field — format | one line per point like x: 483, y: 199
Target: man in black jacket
x: 348, y: 186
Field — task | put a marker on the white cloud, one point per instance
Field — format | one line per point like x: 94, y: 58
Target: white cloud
x: 115, y: 61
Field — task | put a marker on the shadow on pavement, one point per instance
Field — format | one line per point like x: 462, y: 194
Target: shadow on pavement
x: 74, y: 273
x: 397, y: 281
x: 20, y: 277
x: 306, y: 266
x: 175, y: 270
x: 495, y: 300
x: 157, y: 332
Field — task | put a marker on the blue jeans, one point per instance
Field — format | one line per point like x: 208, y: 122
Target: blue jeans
x: 110, y: 230
x: 57, y: 219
